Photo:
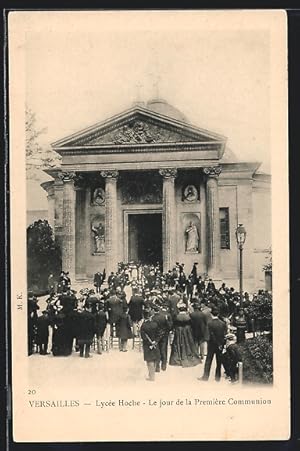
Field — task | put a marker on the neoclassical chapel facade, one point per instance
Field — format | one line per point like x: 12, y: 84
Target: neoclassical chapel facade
x: 146, y: 185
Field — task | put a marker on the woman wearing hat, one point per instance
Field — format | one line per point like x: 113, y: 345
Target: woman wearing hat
x: 183, y: 351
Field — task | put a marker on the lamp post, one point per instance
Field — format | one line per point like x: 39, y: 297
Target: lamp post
x: 240, y: 235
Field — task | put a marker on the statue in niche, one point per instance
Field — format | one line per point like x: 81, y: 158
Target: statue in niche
x: 99, y: 237
x: 192, y: 238
x: 98, y: 196
x: 190, y: 193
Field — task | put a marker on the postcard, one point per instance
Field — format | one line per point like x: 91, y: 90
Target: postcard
x: 149, y: 235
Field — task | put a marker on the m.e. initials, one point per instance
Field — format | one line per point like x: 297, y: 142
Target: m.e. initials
x: 19, y: 298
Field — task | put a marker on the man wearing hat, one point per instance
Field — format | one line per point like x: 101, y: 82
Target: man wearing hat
x: 98, y: 279
x: 231, y: 357
x: 199, y: 322
x: 86, y: 331
x: 43, y: 332
x: 163, y: 318
x: 217, y: 331
x: 150, y: 335
x: 211, y: 288
x: 100, y: 325
x: 136, y: 305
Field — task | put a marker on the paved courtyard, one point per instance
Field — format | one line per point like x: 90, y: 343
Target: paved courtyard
x: 115, y: 368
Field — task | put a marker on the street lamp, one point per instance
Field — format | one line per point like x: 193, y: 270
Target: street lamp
x: 240, y: 235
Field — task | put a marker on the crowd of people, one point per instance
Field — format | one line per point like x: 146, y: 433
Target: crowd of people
x: 184, y: 315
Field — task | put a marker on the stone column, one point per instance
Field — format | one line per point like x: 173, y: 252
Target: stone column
x: 213, y: 221
x: 68, y: 243
x: 80, y: 232
x: 111, y: 232
x: 169, y: 218
x: 49, y: 188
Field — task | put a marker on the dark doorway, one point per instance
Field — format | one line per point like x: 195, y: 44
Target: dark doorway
x: 145, y: 238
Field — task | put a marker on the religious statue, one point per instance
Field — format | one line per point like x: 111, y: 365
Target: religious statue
x: 99, y: 237
x: 192, y: 242
x: 190, y: 193
x: 98, y: 196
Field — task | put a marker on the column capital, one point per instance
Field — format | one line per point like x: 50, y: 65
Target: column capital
x: 168, y: 173
x: 212, y: 171
x: 81, y: 181
x: 48, y: 187
x: 110, y: 174
x: 67, y: 176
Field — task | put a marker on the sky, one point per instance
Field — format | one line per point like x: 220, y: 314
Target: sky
x: 219, y: 78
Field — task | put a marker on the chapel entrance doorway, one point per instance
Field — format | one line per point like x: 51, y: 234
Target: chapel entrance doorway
x: 145, y: 238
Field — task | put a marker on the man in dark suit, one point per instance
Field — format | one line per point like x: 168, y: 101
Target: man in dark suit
x: 43, y: 332
x: 199, y: 323
x: 182, y: 278
x: 174, y: 298
x: 136, y: 305
x: 98, y: 279
x: 194, y: 273
x: 200, y: 285
x: 163, y: 318
x: 86, y: 331
x: 68, y: 301
x: 150, y: 335
x: 115, y: 307
x: 111, y: 279
x: 211, y: 288
x: 217, y: 331
x: 100, y: 325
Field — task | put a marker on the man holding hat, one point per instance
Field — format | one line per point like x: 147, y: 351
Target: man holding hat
x: 150, y: 335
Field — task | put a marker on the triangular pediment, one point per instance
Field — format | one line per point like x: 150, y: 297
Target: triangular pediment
x: 138, y: 126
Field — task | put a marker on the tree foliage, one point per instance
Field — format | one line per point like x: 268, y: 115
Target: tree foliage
x: 43, y: 254
x: 38, y: 157
x: 260, y: 309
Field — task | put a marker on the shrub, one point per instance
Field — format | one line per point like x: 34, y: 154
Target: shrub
x: 258, y: 360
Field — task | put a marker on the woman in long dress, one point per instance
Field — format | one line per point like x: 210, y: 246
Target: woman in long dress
x: 184, y: 352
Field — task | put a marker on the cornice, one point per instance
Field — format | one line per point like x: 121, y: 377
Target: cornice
x: 138, y: 148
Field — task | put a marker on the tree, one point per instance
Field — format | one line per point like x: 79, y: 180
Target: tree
x: 43, y: 254
x: 38, y: 157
